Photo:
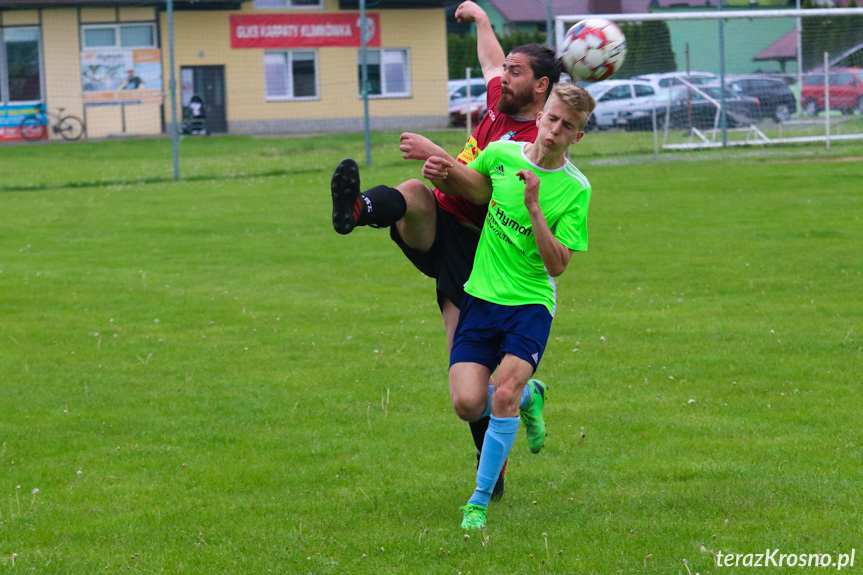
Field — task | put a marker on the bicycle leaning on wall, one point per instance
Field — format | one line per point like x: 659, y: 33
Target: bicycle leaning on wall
x: 35, y: 126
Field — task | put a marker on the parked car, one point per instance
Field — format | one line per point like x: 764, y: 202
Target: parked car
x: 666, y: 80
x: 614, y: 96
x: 700, y: 103
x: 776, y: 98
x: 846, y: 91
x: 458, y: 100
x: 458, y: 88
x: 460, y: 107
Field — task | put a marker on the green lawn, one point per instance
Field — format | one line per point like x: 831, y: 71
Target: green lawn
x: 202, y: 377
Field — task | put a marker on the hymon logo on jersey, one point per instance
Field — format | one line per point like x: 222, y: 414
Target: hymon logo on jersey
x: 508, y: 136
x: 500, y: 219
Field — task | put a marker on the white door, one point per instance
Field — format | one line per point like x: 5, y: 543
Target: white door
x: 610, y: 104
x: 644, y: 95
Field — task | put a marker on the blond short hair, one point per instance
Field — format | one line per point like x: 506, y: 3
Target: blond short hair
x: 577, y: 99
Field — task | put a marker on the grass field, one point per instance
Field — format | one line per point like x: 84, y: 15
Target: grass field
x: 201, y: 377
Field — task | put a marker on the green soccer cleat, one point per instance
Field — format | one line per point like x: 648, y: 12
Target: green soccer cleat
x: 531, y: 416
x: 474, y: 516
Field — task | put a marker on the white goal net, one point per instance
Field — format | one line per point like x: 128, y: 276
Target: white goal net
x: 735, y: 76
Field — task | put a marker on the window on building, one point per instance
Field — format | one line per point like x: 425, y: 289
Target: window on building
x: 139, y: 36
x: 291, y: 75
x: 96, y: 36
x: 99, y: 37
x: 389, y: 73
x: 20, y: 65
x: 283, y: 4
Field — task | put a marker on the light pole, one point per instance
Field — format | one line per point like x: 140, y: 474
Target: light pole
x: 364, y: 78
x: 172, y: 85
x: 799, y: 52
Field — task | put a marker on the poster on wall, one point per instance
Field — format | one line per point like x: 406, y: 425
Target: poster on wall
x: 121, y: 77
x: 10, y: 119
x: 302, y: 30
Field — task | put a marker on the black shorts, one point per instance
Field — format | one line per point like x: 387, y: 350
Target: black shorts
x: 450, y: 258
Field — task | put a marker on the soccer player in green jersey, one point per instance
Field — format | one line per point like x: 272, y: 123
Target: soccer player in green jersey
x: 537, y: 217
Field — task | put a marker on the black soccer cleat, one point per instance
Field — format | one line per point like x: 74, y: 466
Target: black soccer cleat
x: 497, y: 492
x: 347, y: 203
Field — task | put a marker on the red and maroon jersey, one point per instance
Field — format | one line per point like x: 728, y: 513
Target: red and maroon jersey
x: 494, y: 126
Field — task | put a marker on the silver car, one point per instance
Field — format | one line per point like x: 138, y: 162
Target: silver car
x: 665, y: 80
x: 614, y: 97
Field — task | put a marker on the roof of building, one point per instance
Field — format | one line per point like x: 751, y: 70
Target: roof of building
x: 785, y: 48
x: 392, y: 4
x: 199, y: 4
x: 518, y: 11
x: 535, y: 10
x: 178, y: 4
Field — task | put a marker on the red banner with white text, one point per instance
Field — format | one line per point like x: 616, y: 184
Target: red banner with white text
x: 302, y: 31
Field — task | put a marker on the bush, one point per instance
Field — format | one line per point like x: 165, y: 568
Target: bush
x: 649, y: 50
x: 462, y: 51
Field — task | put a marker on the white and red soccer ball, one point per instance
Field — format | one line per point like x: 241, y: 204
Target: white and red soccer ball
x: 593, y: 49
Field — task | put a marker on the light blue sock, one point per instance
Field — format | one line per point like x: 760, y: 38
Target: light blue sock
x: 525, y: 397
x: 495, y: 449
x: 487, y: 410
x: 525, y: 400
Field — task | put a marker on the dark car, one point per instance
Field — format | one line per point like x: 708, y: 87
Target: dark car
x: 698, y: 107
x: 776, y: 98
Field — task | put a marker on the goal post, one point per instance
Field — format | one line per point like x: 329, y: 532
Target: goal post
x: 737, y: 76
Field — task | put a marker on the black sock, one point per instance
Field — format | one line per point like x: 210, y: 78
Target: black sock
x: 383, y: 206
x: 478, y: 429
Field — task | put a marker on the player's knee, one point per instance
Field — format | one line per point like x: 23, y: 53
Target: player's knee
x: 507, y: 392
x: 505, y: 396
x: 467, y: 407
x: 414, y: 187
x: 417, y: 195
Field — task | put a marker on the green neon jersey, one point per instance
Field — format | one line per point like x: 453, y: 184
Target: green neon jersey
x: 508, y: 269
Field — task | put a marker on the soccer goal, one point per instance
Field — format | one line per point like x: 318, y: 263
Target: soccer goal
x: 735, y: 76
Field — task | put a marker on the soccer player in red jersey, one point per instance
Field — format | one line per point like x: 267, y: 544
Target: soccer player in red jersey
x: 439, y: 233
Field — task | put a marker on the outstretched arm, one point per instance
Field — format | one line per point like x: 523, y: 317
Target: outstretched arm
x: 491, y: 56
x: 554, y: 254
x: 456, y: 179
x: 417, y: 147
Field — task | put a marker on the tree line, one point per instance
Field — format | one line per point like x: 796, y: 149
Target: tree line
x: 649, y: 45
x: 648, y: 50
x: 834, y: 35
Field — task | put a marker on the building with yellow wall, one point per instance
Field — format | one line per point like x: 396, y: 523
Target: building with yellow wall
x: 246, y: 66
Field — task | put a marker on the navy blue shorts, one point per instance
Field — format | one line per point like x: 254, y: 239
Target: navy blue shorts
x: 487, y: 331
